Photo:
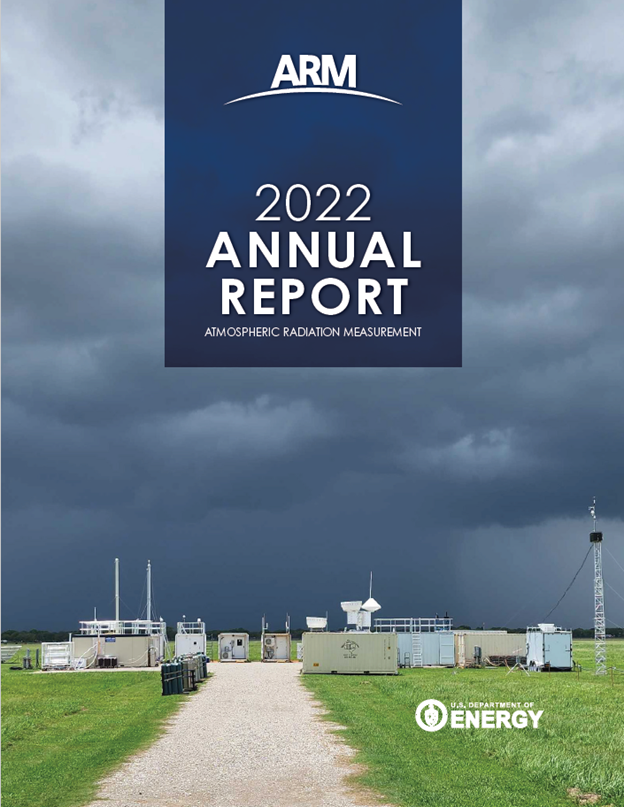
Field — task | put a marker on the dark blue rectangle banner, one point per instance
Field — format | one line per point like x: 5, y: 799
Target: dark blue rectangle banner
x: 313, y: 184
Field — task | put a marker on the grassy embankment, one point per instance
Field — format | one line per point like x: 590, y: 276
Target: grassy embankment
x: 62, y: 732
x: 579, y: 743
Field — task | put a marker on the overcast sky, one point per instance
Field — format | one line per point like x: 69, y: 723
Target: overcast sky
x: 258, y: 491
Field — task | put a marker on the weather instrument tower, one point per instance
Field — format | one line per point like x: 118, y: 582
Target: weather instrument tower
x: 600, y: 647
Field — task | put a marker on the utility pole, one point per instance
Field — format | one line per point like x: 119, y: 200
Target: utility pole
x: 600, y: 639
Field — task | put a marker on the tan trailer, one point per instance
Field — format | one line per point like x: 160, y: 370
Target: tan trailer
x: 492, y: 643
x: 350, y: 653
x: 123, y: 651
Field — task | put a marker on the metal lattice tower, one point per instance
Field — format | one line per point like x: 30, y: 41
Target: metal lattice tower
x: 600, y: 640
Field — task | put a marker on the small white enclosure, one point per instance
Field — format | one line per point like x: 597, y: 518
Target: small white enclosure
x: 276, y: 647
x: 190, y: 638
x: 57, y: 655
x: 233, y: 647
x: 548, y: 647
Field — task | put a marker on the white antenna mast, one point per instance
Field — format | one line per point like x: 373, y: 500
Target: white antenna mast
x: 600, y: 639
x: 116, y: 589
x: 370, y: 590
x: 149, y: 591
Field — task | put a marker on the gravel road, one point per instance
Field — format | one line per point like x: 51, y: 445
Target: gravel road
x: 250, y: 737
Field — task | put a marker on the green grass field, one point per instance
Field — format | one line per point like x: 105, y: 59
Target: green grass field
x: 579, y: 743
x: 61, y: 733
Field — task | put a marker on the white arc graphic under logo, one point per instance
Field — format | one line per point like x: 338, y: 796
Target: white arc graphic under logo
x: 335, y: 90
x: 434, y: 719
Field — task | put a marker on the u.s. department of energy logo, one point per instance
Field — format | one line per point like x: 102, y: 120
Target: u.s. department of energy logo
x: 431, y: 715
x: 435, y: 715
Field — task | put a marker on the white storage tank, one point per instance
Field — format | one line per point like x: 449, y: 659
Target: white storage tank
x: 548, y: 648
x: 355, y: 653
x: 233, y: 647
x: 275, y: 647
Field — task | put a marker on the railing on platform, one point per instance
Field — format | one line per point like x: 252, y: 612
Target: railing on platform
x: 191, y: 627
x: 413, y: 625
x: 131, y: 627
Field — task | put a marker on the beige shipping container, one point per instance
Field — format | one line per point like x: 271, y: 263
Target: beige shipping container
x: 350, y: 653
x: 492, y: 643
x: 130, y: 651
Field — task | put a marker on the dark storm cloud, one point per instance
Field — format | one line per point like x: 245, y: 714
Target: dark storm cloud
x: 275, y: 490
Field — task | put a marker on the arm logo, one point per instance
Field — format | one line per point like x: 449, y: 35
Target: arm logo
x: 330, y: 80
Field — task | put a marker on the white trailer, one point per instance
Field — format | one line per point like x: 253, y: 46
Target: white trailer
x: 120, y: 643
x: 276, y: 647
x: 548, y: 648
x: 233, y: 647
x: 190, y: 638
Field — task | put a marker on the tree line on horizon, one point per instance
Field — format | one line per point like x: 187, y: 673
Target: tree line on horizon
x: 35, y: 636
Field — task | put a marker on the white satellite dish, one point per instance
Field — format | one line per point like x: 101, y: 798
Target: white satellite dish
x: 352, y: 605
x: 316, y: 622
x: 371, y: 605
